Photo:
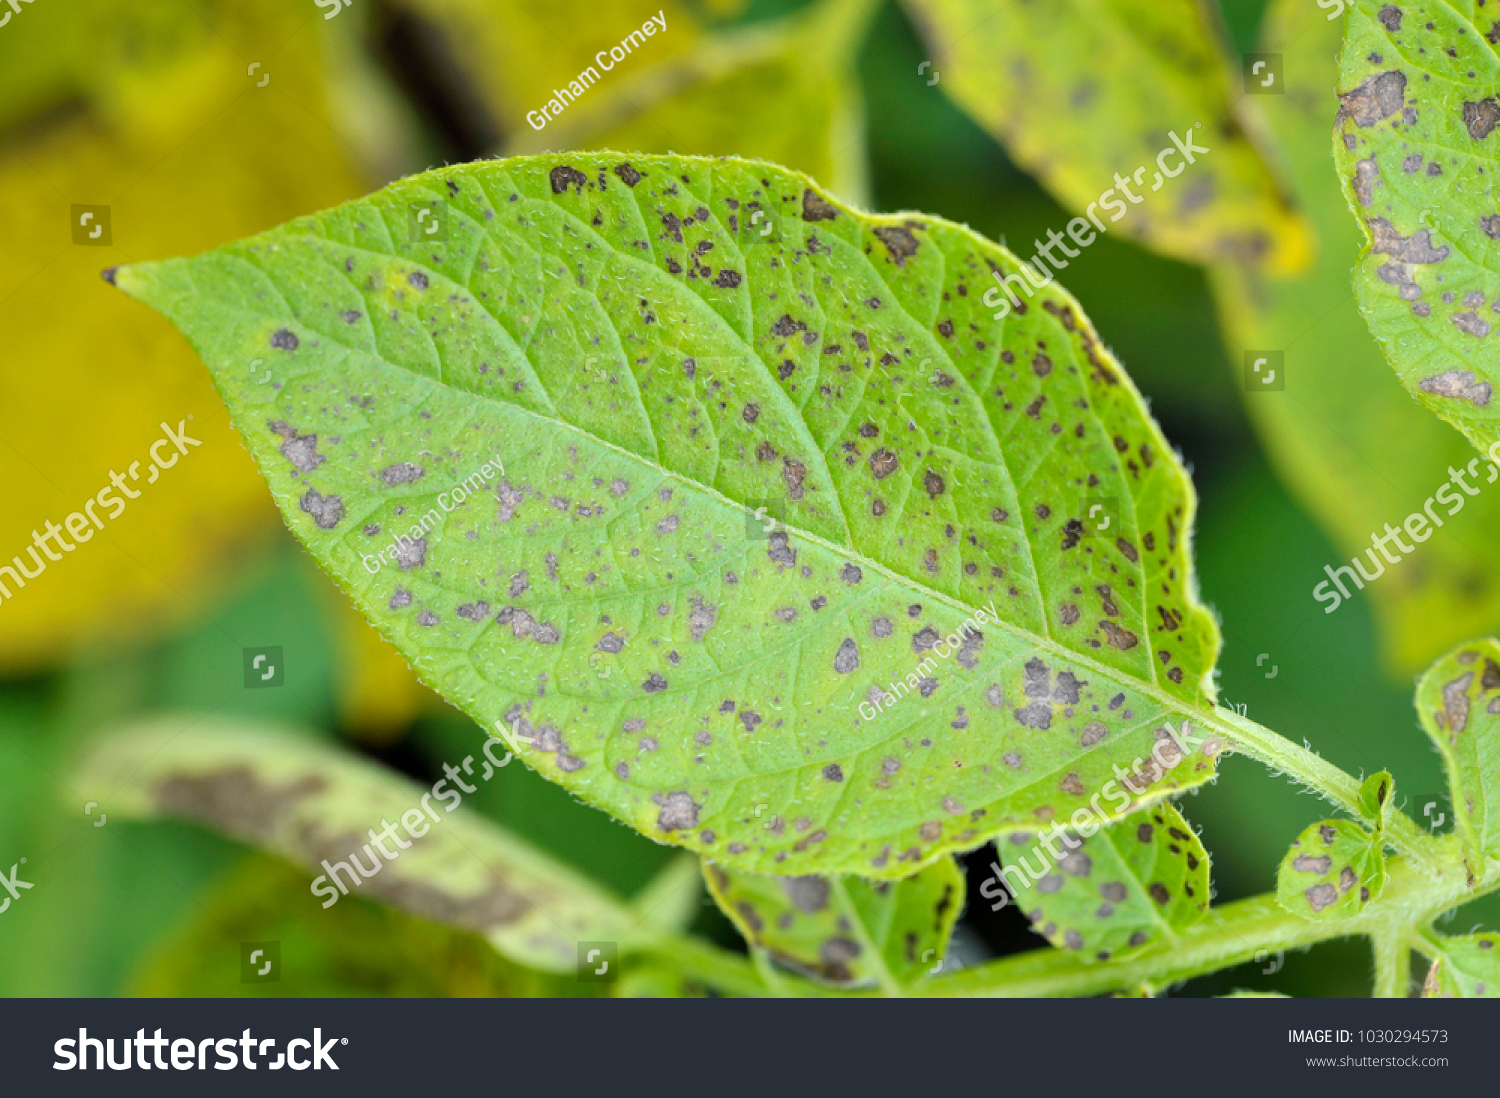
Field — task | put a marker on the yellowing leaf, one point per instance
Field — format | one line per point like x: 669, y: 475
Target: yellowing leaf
x: 1343, y: 435
x: 1127, y: 112
x: 186, y: 151
x: 312, y: 804
x: 355, y: 948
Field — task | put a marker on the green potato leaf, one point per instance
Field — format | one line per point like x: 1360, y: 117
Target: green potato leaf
x: 1416, y: 156
x: 1129, y: 884
x: 1343, y: 435
x: 1465, y: 968
x: 1087, y: 93
x: 1458, y: 703
x: 710, y: 522
x: 846, y: 930
x: 309, y: 804
x: 1333, y: 870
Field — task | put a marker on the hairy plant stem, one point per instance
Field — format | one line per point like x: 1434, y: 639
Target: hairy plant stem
x: 1392, y: 965
x: 1233, y: 934
x: 1315, y: 772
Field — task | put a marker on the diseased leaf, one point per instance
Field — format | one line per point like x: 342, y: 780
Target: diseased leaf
x: 786, y: 92
x: 1466, y: 968
x: 1131, y: 883
x: 312, y: 804
x: 355, y: 948
x: 1458, y: 703
x: 1088, y: 95
x: 1332, y: 871
x: 846, y: 930
x: 1343, y: 435
x: 1416, y: 156
x: 787, y: 524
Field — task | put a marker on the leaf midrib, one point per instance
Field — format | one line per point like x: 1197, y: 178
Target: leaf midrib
x: 1025, y: 636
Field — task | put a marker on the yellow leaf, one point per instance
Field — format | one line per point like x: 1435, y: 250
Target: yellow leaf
x: 186, y: 149
x: 1100, y: 100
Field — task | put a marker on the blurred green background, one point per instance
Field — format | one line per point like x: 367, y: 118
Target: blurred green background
x: 159, y: 114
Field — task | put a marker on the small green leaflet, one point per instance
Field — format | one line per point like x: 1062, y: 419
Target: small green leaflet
x: 309, y: 803
x: 776, y: 545
x: 1088, y: 93
x: 1375, y: 795
x: 1466, y: 968
x: 1458, y: 703
x: 846, y: 930
x: 1127, y: 885
x: 1336, y: 867
x: 1332, y: 871
x: 1416, y: 151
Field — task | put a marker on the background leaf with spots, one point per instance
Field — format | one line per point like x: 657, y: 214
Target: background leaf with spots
x: 1414, y: 149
